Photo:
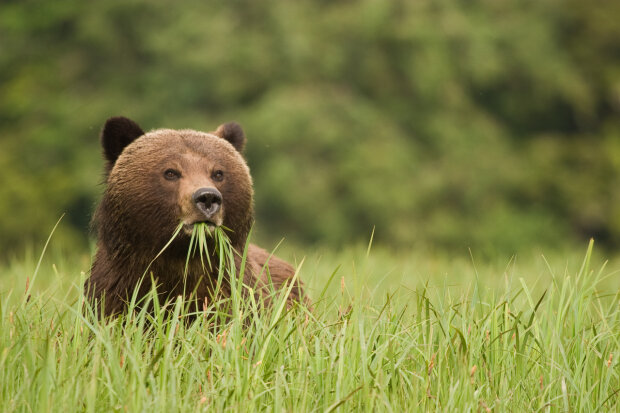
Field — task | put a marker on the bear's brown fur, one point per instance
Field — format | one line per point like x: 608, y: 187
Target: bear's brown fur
x: 154, y: 181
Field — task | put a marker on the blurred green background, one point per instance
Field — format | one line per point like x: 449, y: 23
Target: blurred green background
x: 450, y: 124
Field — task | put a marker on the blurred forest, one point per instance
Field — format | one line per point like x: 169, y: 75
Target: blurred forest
x: 454, y: 124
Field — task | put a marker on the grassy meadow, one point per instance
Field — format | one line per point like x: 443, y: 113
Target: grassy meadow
x: 388, y: 332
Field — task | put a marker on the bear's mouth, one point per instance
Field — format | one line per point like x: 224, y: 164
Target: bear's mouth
x: 188, y: 227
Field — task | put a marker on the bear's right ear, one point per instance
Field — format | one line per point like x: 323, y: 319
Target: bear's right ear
x: 117, y: 133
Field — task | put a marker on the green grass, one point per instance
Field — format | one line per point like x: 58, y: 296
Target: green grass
x: 388, y: 332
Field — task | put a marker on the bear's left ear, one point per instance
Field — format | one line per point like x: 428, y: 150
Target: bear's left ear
x: 233, y: 133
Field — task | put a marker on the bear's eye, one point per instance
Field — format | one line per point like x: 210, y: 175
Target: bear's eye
x: 218, y: 175
x: 172, y: 174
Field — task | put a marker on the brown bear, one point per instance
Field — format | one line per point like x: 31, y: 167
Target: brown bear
x: 154, y: 182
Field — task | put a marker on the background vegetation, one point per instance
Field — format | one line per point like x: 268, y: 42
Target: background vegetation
x: 478, y: 124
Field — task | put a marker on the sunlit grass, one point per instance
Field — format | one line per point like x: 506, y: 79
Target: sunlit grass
x: 383, y: 335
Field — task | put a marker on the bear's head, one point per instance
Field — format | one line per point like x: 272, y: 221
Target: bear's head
x: 159, y: 179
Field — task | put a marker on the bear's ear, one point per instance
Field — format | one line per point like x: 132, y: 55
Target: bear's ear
x: 233, y: 133
x: 117, y: 133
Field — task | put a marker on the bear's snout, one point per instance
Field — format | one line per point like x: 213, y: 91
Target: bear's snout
x: 208, y: 201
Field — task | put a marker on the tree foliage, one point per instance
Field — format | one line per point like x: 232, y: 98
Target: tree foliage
x: 457, y: 124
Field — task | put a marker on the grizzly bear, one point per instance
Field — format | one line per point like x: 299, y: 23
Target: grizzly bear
x: 157, y: 181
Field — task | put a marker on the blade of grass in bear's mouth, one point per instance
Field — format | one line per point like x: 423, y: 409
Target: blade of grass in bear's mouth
x: 201, y: 233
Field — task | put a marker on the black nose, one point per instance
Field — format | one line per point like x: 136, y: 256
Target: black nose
x: 208, y: 201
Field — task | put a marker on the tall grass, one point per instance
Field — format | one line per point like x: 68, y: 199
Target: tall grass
x: 527, y: 343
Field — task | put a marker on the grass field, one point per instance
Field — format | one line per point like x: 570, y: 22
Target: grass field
x: 388, y: 332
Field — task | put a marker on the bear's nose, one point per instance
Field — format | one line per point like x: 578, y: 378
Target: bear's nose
x: 208, y: 201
